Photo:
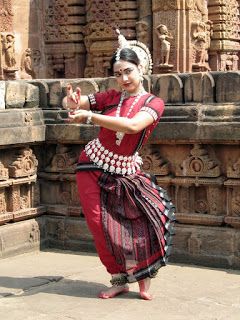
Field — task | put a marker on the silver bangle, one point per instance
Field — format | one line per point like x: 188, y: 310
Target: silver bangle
x: 89, y: 118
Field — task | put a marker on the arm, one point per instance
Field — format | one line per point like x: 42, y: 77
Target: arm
x: 130, y: 126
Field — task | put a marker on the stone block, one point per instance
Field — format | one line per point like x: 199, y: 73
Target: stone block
x: 22, y: 126
x: 32, y: 96
x: 198, y: 87
x: 55, y: 94
x: 208, y: 86
x: 227, y: 86
x: 168, y: 87
x: 87, y: 86
x: 69, y: 233
x: 43, y: 92
x: 108, y: 83
x: 15, y: 94
x: 22, y: 237
x: 212, y: 247
x: 2, y: 94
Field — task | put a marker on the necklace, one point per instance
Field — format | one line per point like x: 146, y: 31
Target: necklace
x: 120, y: 135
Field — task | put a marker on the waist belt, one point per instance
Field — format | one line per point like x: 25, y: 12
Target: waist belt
x: 87, y: 167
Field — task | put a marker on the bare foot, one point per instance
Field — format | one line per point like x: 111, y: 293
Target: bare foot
x: 144, y: 286
x: 113, y: 291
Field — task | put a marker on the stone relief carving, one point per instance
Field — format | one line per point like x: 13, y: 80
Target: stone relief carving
x: 235, y: 203
x: 3, y: 204
x: 229, y: 62
x: 233, y: 171
x: 201, y: 35
x: 194, y: 245
x: 6, y: 15
x: 3, y: 172
x: 153, y: 162
x: 27, y: 67
x: 56, y: 21
x: 199, y: 5
x: 164, y: 35
x: 24, y: 164
x: 8, y: 50
x: 199, y: 164
x: 63, y: 160
x: 142, y: 29
x: 34, y: 236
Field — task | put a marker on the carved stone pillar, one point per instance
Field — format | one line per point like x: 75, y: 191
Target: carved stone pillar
x: 179, y: 18
x: 200, y: 189
x: 103, y: 17
x: 6, y: 26
x: 6, y: 20
x: 225, y: 44
x: 233, y: 194
x: 144, y: 25
x: 64, y: 47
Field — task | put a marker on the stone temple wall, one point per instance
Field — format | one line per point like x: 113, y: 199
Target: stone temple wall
x: 49, y: 39
x: 194, y: 153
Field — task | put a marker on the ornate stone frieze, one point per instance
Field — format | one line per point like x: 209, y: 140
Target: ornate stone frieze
x: 153, y: 163
x: 199, y: 164
x: 166, y: 5
x: 63, y: 161
x: 24, y: 164
x: 56, y: 20
x: 27, y: 70
x: 3, y: 204
x: 225, y: 44
x: 233, y: 171
x: 3, y: 172
x: 6, y: 15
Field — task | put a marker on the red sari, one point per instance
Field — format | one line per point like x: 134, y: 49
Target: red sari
x: 129, y: 216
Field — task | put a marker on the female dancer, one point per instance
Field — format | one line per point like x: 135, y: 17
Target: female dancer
x: 129, y: 216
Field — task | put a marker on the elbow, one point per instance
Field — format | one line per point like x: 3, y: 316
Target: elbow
x: 132, y: 128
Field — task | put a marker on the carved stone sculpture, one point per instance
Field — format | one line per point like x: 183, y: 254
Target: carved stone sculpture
x: 8, y: 48
x: 27, y: 71
x: 164, y: 36
x: 201, y: 43
x: 142, y: 32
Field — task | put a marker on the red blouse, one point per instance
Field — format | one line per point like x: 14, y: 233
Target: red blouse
x: 107, y: 102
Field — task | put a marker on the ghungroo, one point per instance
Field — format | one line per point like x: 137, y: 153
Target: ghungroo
x: 119, y: 280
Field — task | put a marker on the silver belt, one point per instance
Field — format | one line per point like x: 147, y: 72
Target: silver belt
x: 110, y: 161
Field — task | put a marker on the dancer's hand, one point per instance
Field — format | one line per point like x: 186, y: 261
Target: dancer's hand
x: 78, y: 116
x: 72, y: 99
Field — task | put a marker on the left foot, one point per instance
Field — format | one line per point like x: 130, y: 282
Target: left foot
x: 113, y: 291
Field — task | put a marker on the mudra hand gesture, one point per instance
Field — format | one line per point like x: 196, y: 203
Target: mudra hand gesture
x: 72, y: 99
x: 78, y: 106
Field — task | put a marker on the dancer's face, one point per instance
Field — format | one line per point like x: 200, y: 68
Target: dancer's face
x: 128, y: 76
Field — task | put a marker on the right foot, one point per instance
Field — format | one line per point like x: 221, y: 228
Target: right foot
x: 113, y: 291
x: 144, y: 286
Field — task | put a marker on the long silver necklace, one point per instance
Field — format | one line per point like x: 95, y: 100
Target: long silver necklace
x: 120, y: 135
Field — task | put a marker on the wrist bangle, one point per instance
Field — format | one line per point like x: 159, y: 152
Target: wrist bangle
x: 89, y: 118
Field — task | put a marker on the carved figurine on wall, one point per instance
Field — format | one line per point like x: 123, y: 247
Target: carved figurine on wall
x: 142, y: 28
x: 8, y: 47
x: 164, y: 35
x: 201, y: 36
x: 27, y: 71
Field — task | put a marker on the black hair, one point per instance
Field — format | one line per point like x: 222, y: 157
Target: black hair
x: 126, y: 54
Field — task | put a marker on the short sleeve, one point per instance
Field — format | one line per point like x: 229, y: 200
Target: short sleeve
x: 154, y: 106
x: 101, y: 100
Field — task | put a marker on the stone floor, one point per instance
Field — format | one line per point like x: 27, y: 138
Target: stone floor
x: 56, y: 285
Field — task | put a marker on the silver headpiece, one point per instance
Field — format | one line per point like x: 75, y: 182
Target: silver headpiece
x: 140, y: 48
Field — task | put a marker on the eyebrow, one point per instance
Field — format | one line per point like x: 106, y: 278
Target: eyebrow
x: 120, y: 70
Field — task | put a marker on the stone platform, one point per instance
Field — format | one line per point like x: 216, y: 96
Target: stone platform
x: 62, y: 285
